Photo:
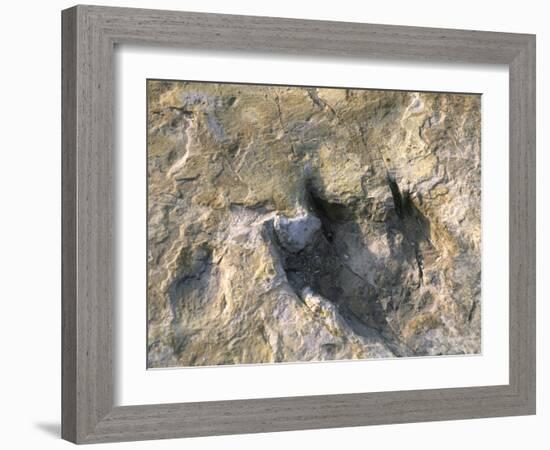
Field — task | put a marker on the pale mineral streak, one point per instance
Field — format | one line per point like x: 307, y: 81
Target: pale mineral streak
x: 292, y: 224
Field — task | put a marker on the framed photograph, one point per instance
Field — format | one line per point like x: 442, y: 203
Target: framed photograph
x: 278, y: 224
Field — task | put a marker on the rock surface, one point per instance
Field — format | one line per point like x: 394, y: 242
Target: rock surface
x: 301, y: 224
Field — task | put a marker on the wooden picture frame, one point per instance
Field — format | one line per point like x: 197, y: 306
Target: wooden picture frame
x: 89, y: 34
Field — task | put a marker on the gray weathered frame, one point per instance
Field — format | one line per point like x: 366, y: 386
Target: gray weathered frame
x: 88, y: 39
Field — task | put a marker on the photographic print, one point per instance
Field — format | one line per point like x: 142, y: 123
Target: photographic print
x: 296, y: 224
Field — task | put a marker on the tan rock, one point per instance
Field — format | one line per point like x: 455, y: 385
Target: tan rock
x: 299, y: 224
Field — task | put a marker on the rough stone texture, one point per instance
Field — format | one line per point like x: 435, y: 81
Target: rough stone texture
x: 300, y: 224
